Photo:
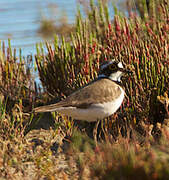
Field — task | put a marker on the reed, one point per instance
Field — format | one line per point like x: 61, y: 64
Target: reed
x: 141, y: 44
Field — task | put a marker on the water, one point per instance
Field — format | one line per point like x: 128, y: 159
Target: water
x: 20, y: 20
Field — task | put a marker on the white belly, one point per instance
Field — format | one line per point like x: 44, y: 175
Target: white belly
x: 95, y: 111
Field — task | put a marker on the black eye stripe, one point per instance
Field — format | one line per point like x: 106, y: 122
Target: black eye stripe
x: 109, y: 66
x: 114, y: 66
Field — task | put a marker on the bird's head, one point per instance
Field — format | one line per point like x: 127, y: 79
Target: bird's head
x: 112, y: 70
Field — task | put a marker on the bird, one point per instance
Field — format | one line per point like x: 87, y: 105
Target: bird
x: 97, y: 100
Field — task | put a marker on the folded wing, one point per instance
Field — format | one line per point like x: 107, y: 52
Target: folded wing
x: 103, y: 90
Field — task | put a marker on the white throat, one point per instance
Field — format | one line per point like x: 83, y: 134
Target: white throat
x: 114, y: 76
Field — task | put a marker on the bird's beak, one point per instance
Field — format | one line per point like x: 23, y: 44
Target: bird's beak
x: 126, y: 71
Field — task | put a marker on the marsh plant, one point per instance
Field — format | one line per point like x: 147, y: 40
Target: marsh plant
x: 133, y: 142
x: 140, y: 43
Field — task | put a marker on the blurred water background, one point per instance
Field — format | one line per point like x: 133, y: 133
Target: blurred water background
x: 20, y: 20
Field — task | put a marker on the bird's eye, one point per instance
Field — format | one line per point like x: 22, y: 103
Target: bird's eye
x: 113, y: 66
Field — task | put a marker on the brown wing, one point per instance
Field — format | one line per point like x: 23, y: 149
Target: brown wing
x: 103, y: 90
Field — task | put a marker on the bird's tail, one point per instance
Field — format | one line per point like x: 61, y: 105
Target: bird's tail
x: 47, y: 108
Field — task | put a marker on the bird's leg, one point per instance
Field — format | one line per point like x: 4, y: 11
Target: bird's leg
x: 104, y: 129
x: 95, y: 131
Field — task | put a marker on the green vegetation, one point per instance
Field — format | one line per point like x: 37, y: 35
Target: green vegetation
x: 133, y: 142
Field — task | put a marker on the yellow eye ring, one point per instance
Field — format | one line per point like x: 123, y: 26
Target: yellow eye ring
x: 112, y: 67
